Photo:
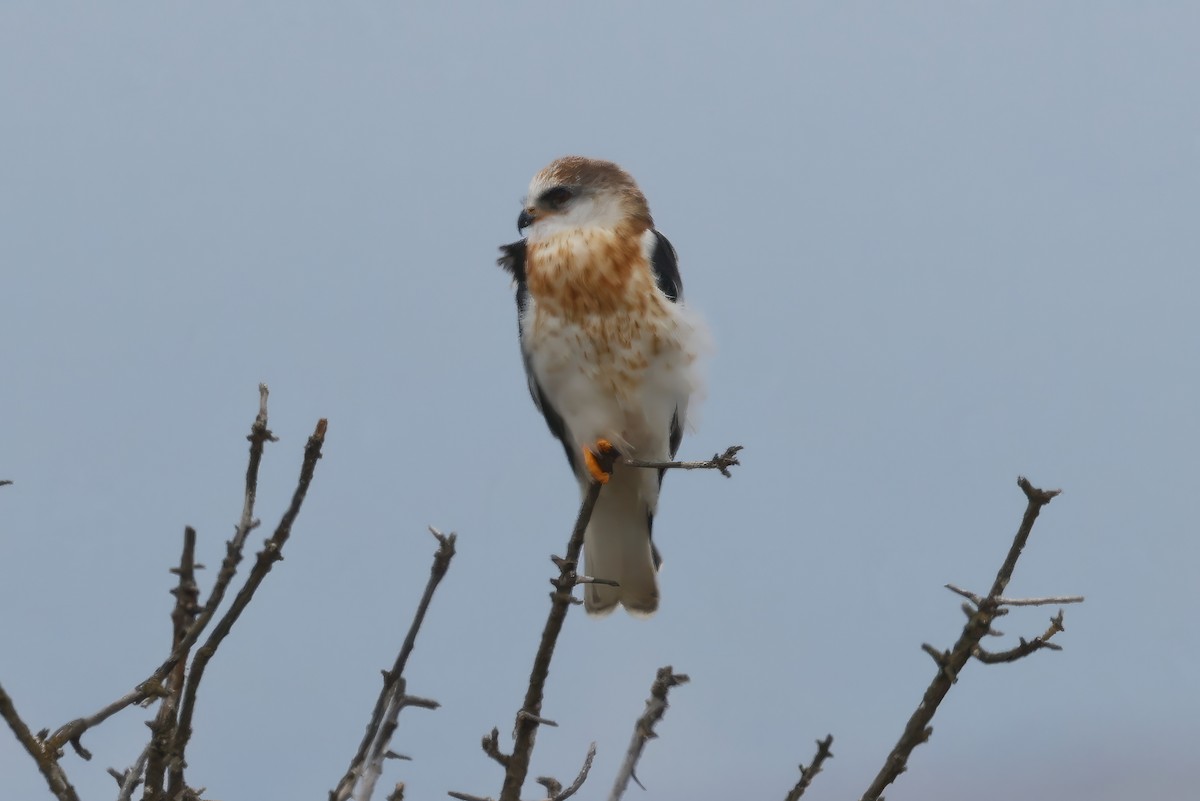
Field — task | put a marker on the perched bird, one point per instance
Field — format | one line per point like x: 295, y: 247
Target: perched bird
x: 610, y: 352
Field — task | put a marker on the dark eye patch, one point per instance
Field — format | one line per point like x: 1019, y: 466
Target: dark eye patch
x: 556, y: 197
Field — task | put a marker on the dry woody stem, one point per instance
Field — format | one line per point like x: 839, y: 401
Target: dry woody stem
x: 981, y: 611
x: 367, y: 764
x: 175, y: 681
x: 807, y: 774
x: 643, y: 729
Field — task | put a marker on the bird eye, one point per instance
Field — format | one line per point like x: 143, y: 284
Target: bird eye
x: 556, y: 197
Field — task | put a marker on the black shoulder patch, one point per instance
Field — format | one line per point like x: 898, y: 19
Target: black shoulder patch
x: 665, y: 265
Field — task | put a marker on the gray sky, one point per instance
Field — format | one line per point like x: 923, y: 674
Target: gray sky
x: 939, y: 245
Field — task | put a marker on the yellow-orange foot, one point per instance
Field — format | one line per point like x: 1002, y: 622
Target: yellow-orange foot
x: 599, y: 462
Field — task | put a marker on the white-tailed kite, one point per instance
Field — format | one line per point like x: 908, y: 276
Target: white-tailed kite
x: 610, y: 352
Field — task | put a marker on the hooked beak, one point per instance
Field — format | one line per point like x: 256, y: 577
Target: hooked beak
x: 525, y: 220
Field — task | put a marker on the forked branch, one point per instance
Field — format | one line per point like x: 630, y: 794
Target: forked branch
x: 981, y: 611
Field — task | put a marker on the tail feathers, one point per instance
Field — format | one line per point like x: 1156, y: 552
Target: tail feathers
x: 616, y: 546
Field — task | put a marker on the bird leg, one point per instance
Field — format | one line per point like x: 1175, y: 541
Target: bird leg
x: 599, y: 460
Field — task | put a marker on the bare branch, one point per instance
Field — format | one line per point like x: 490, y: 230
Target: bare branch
x: 643, y: 729
x: 5, y: 482
x: 367, y: 764
x: 1052, y: 600
x: 719, y: 461
x: 183, y: 616
x: 950, y: 663
x: 525, y: 730
x: 152, y: 687
x: 42, y: 752
x: 807, y: 774
x: 266, y: 558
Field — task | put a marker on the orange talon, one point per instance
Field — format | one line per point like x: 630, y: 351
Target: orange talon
x: 600, y: 461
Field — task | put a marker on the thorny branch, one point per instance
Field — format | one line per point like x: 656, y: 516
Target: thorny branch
x: 643, y: 729
x: 979, y: 625
x: 807, y: 774
x: 367, y: 764
x: 163, y: 727
x: 152, y: 687
x: 265, y: 559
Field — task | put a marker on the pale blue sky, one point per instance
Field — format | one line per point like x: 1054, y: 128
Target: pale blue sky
x: 938, y: 244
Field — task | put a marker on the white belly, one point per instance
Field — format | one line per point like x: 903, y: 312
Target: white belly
x: 618, y: 377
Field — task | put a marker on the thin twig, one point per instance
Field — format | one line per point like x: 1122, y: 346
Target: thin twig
x: 152, y: 687
x: 1024, y: 648
x: 43, y: 754
x: 719, y: 461
x: 128, y: 782
x: 562, y: 794
x: 807, y: 774
x: 367, y: 764
x: 643, y: 729
x: 1052, y: 600
x: 265, y: 559
x: 951, y: 662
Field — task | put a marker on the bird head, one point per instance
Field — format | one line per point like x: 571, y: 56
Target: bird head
x: 574, y: 192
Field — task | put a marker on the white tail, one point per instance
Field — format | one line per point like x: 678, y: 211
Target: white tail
x: 617, y: 546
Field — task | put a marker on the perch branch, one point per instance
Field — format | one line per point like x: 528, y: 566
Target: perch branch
x: 951, y: 662
x: 265, y: 559
x: 807, y: 774
x: 719, y: 461
x: 643, y: 729
x: 525, y: 730
x: 367, y: 764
